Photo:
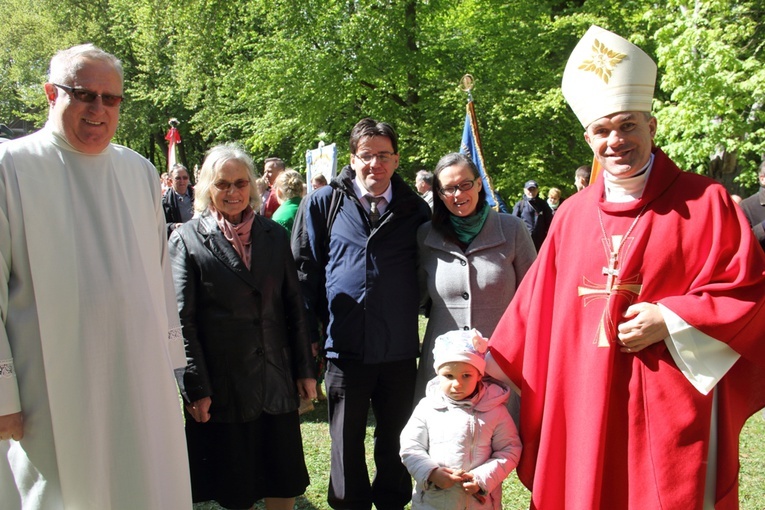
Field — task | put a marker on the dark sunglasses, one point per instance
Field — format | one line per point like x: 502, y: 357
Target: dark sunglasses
x: 88, y: 96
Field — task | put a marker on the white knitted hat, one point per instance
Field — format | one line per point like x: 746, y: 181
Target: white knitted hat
x: 465, y: 346
x: 607, y: 74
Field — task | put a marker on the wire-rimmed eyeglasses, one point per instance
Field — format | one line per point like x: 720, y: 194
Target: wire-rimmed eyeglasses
x: 225, y: 185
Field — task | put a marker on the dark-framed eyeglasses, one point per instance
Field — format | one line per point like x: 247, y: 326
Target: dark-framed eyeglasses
x: 450, y: 191
x: 88, y: 96
x: 382, y: 157
x: 225, y: 185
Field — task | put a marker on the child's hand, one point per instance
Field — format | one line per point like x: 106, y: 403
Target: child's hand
x: 470, y: 487
x: 444, y: 477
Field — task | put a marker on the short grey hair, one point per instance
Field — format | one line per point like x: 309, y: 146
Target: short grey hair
x: 66, y: 63
x: 176, y: 167
x: 425, y: 176
x: 214, y: 159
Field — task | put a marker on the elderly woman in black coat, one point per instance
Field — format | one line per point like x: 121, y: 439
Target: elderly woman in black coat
x: 248, y: 350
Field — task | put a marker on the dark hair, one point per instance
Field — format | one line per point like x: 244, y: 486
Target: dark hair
x: 369, y: 127
x: 276, y: 161
x: 440, y: 219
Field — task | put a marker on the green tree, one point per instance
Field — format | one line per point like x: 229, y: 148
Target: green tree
x: 711, y: 69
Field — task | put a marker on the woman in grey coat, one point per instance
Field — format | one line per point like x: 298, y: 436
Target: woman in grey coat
x: 472, y: 258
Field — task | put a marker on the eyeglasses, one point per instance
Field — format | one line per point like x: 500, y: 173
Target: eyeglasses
x: 450, y: 191
x: 382, y: 157
x: 88, y: 96
x: 225, y: 186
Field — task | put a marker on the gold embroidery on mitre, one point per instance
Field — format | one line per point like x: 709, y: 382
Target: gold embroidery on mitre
x: 603, y: 61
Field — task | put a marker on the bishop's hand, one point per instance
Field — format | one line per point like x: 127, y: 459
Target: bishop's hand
x: 645, y: 326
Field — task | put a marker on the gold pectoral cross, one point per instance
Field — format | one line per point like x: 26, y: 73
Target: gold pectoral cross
x: 628, y: 288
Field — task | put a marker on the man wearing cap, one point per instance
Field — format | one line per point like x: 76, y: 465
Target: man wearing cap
x: 534, y: 212
x: 635, y: 337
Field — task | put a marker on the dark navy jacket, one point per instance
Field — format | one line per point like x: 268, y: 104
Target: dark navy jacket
x: 361, y: 283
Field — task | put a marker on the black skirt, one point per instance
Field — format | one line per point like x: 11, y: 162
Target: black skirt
x: 237, y: 464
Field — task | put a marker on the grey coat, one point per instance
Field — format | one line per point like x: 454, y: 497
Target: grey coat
x: 470, y: 289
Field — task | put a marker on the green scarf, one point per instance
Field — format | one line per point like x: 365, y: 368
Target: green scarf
x: 467, y: 228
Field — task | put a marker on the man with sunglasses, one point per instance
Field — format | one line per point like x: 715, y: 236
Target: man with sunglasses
x: 178, y: 201
x: 356, y: 248
x: 89, y: 414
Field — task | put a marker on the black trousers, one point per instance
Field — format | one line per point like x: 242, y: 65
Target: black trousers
x: 351, y: 387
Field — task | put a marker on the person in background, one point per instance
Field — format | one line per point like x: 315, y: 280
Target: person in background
x: 472, y: 258
x: 582, y: 177
x: 754, y: 208
x: 89, y: 413
x: 636, y: 336
x: 356, y: 249
x: 272, y: 167
x: 424, y: 184
x: 164, y: 179
x: 460, y: 443
x: 178, y: 201
x: 248, y: 350
x: 289, y: 192
x: 534, y: 212
x: 318, y: 181
x: 553, y: 199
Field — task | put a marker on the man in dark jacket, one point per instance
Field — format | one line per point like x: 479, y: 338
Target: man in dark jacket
x: 355, y: 245
x: 178, y: 201
x: 754, y: 209
x: 534, y: 212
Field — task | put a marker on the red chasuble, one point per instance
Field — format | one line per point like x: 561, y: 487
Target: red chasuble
x: 603, y: 429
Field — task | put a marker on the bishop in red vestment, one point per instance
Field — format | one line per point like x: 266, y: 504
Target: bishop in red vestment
x: 636, y: 337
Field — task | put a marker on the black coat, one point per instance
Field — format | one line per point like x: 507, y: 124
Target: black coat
x: 245, y: 331
x: 754, y: 210
x: 172, y: 210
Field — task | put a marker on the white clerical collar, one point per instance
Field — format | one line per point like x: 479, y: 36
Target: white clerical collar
x: 629, y: 189
x: 361, y: 191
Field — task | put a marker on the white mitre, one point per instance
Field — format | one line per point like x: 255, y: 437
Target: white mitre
x: 607, y: 74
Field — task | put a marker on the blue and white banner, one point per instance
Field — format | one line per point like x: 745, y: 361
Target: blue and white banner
x: 321, y: 161
x: 471, y: 147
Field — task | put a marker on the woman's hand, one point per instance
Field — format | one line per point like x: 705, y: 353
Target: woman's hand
x: 200, y: 410
x: 307, y: 388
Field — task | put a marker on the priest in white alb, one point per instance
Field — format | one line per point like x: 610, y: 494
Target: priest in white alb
x: 635, y: 338
x: 89, y: 411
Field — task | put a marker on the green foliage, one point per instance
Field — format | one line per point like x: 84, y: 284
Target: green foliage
x: 712, y: 76
x: 279, y: 77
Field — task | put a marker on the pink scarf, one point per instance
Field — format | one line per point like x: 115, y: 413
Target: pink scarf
x: 238, y: 235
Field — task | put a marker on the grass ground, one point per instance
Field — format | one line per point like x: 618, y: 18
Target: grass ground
x: 515, y: 496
